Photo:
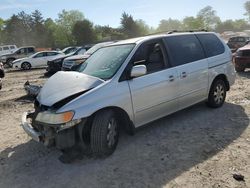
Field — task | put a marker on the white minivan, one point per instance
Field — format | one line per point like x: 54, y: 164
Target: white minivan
x: 128, y: 84
x: 7, y: 49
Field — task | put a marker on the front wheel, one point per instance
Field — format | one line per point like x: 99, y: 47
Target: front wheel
x: 217, y: 94
x: 104, y: 133
x: 26, y: 66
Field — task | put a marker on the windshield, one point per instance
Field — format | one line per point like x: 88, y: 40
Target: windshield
x: 80, y: 51
x: 106, y: 61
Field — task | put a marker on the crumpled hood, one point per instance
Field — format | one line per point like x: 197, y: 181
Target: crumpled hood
x: 76, y: 57
x: 65, y: 84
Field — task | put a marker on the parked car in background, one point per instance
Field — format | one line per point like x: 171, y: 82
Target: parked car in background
x: 7, y: 49
x: 38, y: 59
x: 55, y: 64
x: 241, y: 58
x: 129, y: 84
x: 73, y: 62
x: 2, y: 74
x: 236, y: 42
x: 69, y: 50
x: 21, y: 52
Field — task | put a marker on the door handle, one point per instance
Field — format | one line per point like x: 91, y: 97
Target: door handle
x: 171, y: 78
x: 183, y: 75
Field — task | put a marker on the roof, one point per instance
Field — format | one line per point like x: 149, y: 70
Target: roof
x: 149, y: 37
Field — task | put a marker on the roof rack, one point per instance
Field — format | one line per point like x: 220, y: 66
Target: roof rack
x: 190, y: 31
x: 177, y: 31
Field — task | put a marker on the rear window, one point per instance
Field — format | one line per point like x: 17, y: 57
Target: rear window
x: 212, y: 44
x: 184, y: 49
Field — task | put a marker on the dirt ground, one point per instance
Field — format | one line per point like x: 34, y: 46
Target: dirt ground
x: 197, y: 147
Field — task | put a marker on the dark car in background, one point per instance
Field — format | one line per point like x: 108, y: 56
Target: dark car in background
x: 241, y: 58
x: 69, y: 50
x: 73, y: 62
x: 237, y: 42
x: 56, y: 64
x: 2, y: 74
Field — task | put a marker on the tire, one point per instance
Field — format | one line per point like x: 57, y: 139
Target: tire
x: 239, y: 68
x: 104, y: 133
x: 26, y: 66
x: 217, y: 94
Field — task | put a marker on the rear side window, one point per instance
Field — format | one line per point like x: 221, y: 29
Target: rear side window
x: 212, y: 44
x: 184, y: 49
x: 52, y: 53
x: 5, y: 48
x: 31, y: 50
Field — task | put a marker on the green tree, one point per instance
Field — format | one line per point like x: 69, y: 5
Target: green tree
x: 129, y: 26
x: 169, y: 25
x: 143, y: 28
x: 247, y: 8
x: 192, y: 23
x: 83, y: 32
x: 2, y: 24
x: 66, y: 20
x: 208, y: 17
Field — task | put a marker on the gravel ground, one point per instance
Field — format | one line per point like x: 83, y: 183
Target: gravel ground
x: 197, y: 147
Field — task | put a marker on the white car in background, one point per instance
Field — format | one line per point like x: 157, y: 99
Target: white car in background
x: 7, y: 49
x: 36, y: 60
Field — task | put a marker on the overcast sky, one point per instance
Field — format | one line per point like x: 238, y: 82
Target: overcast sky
x: 108, y: 12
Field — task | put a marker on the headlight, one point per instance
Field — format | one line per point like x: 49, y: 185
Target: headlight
x: 54, y: 118
x: 79, y: 61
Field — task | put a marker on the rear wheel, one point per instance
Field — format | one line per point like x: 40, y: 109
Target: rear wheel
x: 104, y: 133
x: 217, y: 94
x: 26, y: 66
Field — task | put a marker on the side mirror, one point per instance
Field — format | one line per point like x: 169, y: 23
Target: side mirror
x: 138, y: 70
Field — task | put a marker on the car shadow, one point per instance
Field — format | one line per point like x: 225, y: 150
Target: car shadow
x: 245, y: 74
x: 25, y: 99
x: 158, y: 153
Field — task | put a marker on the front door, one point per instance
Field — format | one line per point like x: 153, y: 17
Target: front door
x: 154, y: 95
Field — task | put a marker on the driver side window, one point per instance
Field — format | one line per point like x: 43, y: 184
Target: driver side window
x: 151, y: 55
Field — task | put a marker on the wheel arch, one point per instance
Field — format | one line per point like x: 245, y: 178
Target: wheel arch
x: 224, y: 78
x: 122, y: 116
x: 25, y: 62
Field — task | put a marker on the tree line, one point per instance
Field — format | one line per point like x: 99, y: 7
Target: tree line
x: 72, y: 28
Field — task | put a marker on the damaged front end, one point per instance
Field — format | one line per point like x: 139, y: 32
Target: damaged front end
x: 49, y: 126
x: 52, y: 129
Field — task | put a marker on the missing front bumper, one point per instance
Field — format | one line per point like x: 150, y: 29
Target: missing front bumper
x: 49, y: 136
x: 27, y: 127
